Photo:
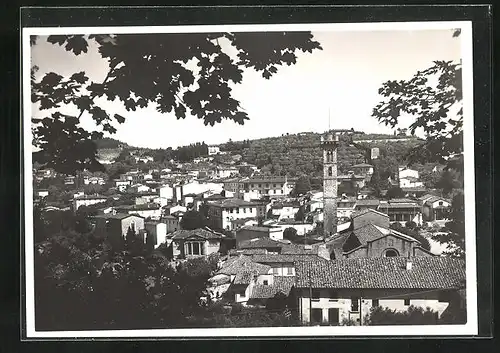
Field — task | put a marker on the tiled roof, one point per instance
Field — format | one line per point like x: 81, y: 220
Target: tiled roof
x: 236, y: 252
x: 368, y: 202
x: 414, y: 188
x: 383, y: 273
x: 398, y: 205
x: 299, y: 249
x: 281, y: 284
x: 287, y: 258
x: 433, y: 199
x: 367, y: 210
x: 239, y: 264
x: 244, y: 277
x: 200, y: 232
x: 232, y: 203
x: 115, y: 216
x: 371, y: 232
x: 260, y: 243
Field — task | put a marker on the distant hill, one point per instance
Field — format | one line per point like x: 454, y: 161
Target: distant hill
x: 109, y: 143
x: 300, y: 154
x: 108, y: 149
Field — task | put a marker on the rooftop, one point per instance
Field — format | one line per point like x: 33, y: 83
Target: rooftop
x: 239, y: 264
x: 287, y: 258
x: 115, y: 216
x: 281, y: 284
x: 200, y: 233
x: 367, y: 210
x: 229, y: 203
x: 383, y: 273
x: 260, y: 243
x: 367, y: 202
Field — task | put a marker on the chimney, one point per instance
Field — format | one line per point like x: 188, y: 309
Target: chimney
x: 408, y: 264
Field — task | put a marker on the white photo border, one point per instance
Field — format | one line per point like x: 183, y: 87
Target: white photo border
x: 468, y: 329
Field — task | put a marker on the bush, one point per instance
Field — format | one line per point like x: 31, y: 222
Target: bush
x: 348, y: 322
x: 413, y: 316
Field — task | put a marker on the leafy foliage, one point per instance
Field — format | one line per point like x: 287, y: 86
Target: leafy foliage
x: 193, y: 220
x: 454, y: 235
x: 413, y: 316
x: 196, y: 79
x: 413, y: 232
x: 434, y: 98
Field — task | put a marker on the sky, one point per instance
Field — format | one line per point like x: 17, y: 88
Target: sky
x: 336, y: 87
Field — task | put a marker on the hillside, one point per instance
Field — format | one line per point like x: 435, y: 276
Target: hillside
x: 300, y: 154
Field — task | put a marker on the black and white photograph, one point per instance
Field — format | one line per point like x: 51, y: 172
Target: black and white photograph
x: 249, y: 180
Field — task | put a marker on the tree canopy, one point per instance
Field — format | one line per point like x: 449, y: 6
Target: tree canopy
x: 433, y: 97
x: 180, y: 73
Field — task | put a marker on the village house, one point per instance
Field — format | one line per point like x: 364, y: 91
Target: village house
x: 363, y: 169
x: 157, y: 232
x: 171, y: 209
x: 122, y: 185
x: 172, y: 223
x: 369, y: 235
x: 114, y: 226
x: 285, y: 209
x: 414, y: 191
x: 221, y: 213
x: 435, y: 208
x: 329, y: 292
x: 138, y: 188
x: 42, y: 193
x: 345, y: 206
x: 151, y: 210
x: 301, y: 227
x: 70, y: 180
x: 87, y: 200
x: 402, y: 210
x: 366, y: 204
x: 146, y: 197
x: 223, y: 172
x: 243, y: 222
x: 254, y: 232
x: 272, y: 186
x: 213, y: 150
x: 194, y: 243
x: 358, y: 181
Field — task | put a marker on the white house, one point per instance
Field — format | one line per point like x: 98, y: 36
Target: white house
x: 87, y: 200
x: 157, y: 232
x: 328, y: 292
x: 222, y: 212
x: 404, y: 172
x: 212, y: 150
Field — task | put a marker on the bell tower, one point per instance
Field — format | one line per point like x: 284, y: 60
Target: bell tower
x: 329, y: 144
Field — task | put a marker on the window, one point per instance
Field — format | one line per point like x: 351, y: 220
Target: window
x: 407, y: 302
x: 355, y: 304
x: 266, y: 282
x: 242, y: 293
x: 244, y: 210
x: 375, y: 302
x: 238, y: 210
x: 391, y: 253
x: 289, y: 271
x: 196, y: 249
x: 316, y: 294
x: 316, y: 316
x: 260, y: 185
x: 330, y: 171
x: 275, y: 271
x: 274, y: 185
x: 333, y: 316
x: 267, y: 185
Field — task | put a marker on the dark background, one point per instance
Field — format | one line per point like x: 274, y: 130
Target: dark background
x: 10, y: 149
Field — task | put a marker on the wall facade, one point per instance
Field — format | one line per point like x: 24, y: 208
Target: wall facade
x: 399, y: 300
